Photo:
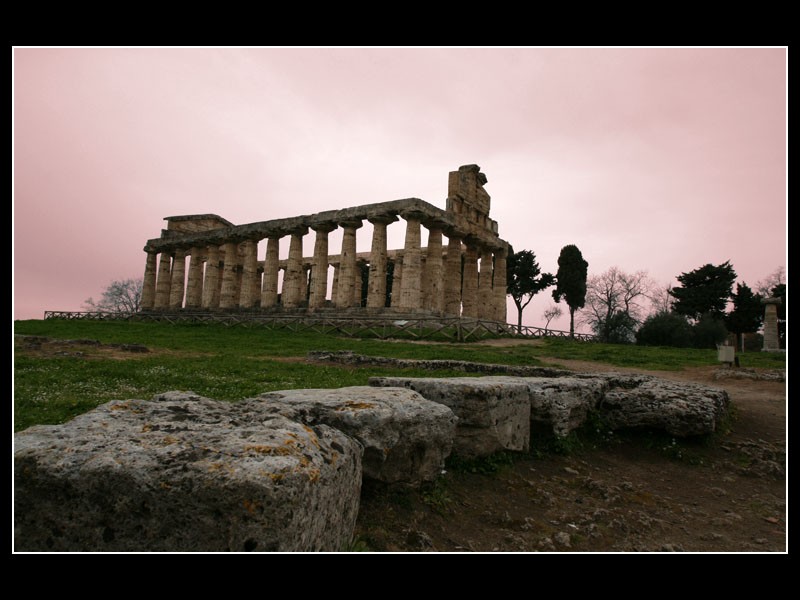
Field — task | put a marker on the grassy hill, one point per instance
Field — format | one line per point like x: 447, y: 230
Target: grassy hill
x: 53, y: 382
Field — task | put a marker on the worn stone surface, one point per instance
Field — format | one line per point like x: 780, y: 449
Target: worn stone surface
x: 184, y: 473
x: 756, y: 375
x: 560, y: 402
x: 406, y: 438
x: 492, y: 416
x: 348, y: 357
x: 681, y: 409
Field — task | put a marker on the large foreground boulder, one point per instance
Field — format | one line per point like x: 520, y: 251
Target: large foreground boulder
x: 183, y: 473
x: 681, y: 409
x: 406, y: 438
x: 492, y: 415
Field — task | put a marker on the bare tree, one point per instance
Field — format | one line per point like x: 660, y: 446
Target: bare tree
x: 553, y: 312
x: 119, y: 297
x: 774, y: 279
x: 660, y: 300
x: 615, y: 303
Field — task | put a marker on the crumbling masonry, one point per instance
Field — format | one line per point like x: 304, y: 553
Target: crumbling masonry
x: 466, y: 277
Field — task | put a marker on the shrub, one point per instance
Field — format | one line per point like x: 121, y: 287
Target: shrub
x: 665, y: 329
x: 708, y: 332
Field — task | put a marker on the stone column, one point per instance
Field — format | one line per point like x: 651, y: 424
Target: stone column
x: 164, y: 281
x: 250, y: 288
x: 433, y: 299
x: 239, y: 272
x: 376, y: 291
x: 469, y: 291
x: 319, y: 271
x: 397, y: 280
x: 194, y: 287
x: 771, y: 337
x: 347, y: 267
x: 178, y: 280
x: 293, y: 287
x: 149, y: 282
x: 452, y: 277
x: 335, y: 284
x: 210, y: 296
x: 306, y: 291
x: 358, y: 283
x: 412, y: 273
x: 227, y: 294
x: 485, y: 293
x: 500, y: 284
x: 269, y: 291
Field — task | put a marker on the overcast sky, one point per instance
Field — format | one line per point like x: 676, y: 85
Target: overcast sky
x: 653, y: 159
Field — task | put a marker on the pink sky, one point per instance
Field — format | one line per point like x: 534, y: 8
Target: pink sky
x: 653, y: 159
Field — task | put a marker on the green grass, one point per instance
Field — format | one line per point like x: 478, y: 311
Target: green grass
x: 653, y: 357
x: 230, y: 363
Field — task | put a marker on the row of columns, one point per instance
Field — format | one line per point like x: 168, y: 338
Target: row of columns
x: 450, y: 283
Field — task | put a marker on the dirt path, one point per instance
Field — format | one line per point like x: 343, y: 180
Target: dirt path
x: 727, y: 496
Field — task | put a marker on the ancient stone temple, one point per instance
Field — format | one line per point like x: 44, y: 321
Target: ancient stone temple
x: 205, y: 263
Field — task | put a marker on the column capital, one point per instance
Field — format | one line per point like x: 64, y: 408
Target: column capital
x: 383, y: 219
x: 434, y: 223
x: 351, y: 224
x: 324, y: 227
x: 472, y: 243
x: 299, y: 230
x: 410, y: 214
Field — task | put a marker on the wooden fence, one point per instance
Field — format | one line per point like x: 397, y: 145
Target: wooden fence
x: 372, y: 326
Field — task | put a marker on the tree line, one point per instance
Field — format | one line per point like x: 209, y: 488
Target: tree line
x: 622, y: 307
x: 619, y: 307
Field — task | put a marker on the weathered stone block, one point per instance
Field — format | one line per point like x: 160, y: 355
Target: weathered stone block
x: 492, y: 416
x: 681, y: 409
x: 183, y: 473
x: 563, y: 403
x: 406, y: 438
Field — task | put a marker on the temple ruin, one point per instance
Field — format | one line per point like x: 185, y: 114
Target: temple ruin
x: 464, y: 278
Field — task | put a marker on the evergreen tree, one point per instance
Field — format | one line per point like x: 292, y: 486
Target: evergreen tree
x: 747, y: 313
x: 571, y: 281
x: 704, y: 291
x: 524, y: 279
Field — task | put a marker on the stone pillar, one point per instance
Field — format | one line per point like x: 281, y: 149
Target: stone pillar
x: 376, y: 292
x: 397, y: 280
x: 178, y: 280
x: 771, y: 337
x: 485, y: 295
x: 239, y: 272
x: 358, y: 283
x: 210, y: 283
x: 433, y: 298
x: 500, y: 284
x: 424, y: 283
x: 164, y: 281
x: 306, y: 292
x: 469, y: 287
x: 335, y: 284
x: 250, y: 292
x: 269, y: 291
x: 293, y: 287
x: 319, y: 271
x: 452, y: 277
x: 149, y: 282
x: 227, y: 294
x: 410, y: 298
x: 194, y: 287
x: 347, y: 267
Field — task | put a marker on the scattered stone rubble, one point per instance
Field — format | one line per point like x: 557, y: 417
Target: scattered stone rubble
x: 283, y: 472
